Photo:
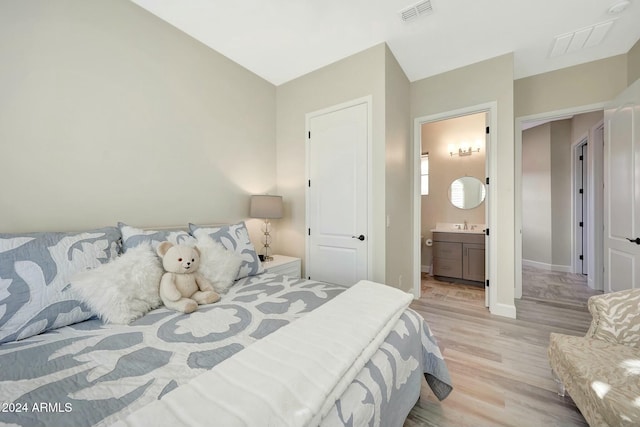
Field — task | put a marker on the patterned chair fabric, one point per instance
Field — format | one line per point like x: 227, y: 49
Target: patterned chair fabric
x: 601, y: 371
x: 616, y: 317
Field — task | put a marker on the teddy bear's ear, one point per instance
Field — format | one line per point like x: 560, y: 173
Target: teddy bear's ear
x: 163, y: 248
x: 195, y: 248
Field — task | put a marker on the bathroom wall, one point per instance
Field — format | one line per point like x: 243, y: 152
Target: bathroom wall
x: 444, y: 168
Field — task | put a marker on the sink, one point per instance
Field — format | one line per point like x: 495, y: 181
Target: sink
x: 459, y: 228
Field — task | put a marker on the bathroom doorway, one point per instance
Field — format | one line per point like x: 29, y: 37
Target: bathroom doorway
x: 457, y: 147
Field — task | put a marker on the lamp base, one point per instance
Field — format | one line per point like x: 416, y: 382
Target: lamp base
x: 266, y: 241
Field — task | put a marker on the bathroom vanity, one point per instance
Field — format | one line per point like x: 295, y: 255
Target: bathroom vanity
x: 459, y: 255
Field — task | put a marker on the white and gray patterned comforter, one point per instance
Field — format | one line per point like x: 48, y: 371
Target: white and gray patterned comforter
x: 94, y: 374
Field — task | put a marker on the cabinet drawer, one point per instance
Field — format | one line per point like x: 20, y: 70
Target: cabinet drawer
x: 447, y: 267
x: 473, y: 262
x: 451, y: 250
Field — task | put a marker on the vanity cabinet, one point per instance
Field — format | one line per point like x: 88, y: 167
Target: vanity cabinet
x: 459, y: 255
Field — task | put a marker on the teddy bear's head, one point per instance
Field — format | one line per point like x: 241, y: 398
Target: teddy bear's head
x: 180, y: 259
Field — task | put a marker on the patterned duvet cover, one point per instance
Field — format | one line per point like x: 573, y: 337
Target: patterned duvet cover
x: 90, y: 373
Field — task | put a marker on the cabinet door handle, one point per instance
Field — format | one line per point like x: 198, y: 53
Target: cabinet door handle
x: 636, y: 240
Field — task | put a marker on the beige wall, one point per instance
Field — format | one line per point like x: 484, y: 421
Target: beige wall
x: 633, y: 64
x: 536, y: 195
x: 585, y: 84
x: 444, y: 168
x: 487, y: 81
x: 399, y: 176
x: 359, y: 75
x: 373, y: 72
x: 546, y: 195
x: 561, y: 192
x: 581, y: 124
x: 109, y: 114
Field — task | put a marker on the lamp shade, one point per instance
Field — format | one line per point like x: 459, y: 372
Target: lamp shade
x: 265, y: 206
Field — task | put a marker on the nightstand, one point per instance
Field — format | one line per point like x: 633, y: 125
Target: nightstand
x: 285, y: 265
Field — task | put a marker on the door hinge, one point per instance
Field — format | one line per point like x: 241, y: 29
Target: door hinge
x: 581, y: 157
x: 487, y: 130
x: 581, y: 224
x: 486, y: 231
x: 487, y: 283
x: 309, y: 183
x: 581, y: 258
x: 309, y: 231
x: 486, y: 180
x: 580, y: 191
x: 309, y: 134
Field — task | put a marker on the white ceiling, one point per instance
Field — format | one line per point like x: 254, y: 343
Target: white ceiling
x: 283, y: 39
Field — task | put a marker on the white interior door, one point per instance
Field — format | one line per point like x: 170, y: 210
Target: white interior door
x: 622, y: 191
x: 337, y: 202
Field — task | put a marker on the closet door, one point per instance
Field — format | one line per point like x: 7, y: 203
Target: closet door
x: 337, y: 194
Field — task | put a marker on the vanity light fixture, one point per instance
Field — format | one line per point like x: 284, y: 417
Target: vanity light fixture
x: 464, y: 149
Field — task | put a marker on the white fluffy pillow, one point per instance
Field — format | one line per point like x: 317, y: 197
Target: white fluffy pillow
x: 217, y: 264
x: 125, y: 288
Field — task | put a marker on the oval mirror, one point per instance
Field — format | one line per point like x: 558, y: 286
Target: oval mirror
x: 467, y: 192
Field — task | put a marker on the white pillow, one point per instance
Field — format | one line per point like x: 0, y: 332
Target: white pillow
x: 125, y: 288
x: 217, y: 264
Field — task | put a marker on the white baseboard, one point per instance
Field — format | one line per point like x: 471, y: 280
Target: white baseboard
x: 504, y: 310
x: 548, y: 267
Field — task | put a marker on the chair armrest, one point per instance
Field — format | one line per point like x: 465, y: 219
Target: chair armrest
x: 616, y: 317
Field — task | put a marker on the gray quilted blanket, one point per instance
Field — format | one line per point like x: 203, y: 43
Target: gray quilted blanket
x: 94, y: 374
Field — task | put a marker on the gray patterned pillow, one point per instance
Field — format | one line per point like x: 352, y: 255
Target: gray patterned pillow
x: 35, y: 271
x: 234, y: 237
x: 132, y: 237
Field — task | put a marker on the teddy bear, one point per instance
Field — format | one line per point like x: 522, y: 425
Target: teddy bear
x: 182, y: 288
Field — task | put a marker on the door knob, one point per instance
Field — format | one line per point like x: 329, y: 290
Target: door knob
x: 636, y: 240
x: 360, y: 237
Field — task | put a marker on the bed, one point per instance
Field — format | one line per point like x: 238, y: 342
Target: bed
x: 92, y: 373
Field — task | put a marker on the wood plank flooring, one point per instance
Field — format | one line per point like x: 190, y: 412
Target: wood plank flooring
x: 499, y: 366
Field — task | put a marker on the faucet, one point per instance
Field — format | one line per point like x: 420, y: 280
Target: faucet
x: 465, y: 225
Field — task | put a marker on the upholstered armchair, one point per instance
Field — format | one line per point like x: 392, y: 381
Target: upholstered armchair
x: 601, y: 371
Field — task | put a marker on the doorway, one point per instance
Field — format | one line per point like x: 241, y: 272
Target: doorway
x: 489, y: 110
x: 567, y: 208
x: 454, y: 194
x: 581, y: 219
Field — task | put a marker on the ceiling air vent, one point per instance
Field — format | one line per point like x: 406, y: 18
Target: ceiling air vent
x: 415, y: 10
x: 580, y: 39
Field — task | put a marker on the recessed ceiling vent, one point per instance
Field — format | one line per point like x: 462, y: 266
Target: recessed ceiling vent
x: 580, y: 39
x: 415, y: 10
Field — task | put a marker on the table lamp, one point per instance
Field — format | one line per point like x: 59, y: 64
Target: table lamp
x: 266, y: 207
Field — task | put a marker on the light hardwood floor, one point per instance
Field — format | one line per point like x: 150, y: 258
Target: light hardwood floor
x: 499, y: 366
